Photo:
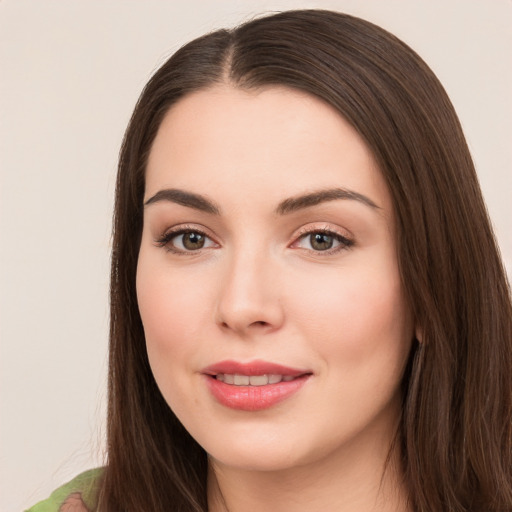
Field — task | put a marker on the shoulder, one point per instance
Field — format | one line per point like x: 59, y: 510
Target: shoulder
x: 76, y: 496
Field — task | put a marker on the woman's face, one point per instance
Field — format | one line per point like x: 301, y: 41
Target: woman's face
x: 267, y: 280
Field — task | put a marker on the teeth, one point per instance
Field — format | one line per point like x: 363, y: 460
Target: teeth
x: 258, y: 380
x: 252, y: 380
x: 242, y: 380
x: 274, y: 379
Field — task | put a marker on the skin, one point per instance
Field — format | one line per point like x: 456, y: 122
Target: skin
x: 74, y: 503
x: 259, y: 289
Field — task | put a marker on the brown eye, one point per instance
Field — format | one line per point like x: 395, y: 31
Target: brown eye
x: 192, y: 240
x: 321, y: 241
x: 185, y: 241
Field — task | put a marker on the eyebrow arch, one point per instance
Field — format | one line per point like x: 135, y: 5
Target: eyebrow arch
x: 190, y: 199
x: 321, y: 196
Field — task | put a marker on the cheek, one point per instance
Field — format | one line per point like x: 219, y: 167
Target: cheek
x: 358, y: 319
x: 173, y: 309
x: 359, y: 327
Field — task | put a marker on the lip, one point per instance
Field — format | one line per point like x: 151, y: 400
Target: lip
x: 253, y: 398
x: 256, y: 367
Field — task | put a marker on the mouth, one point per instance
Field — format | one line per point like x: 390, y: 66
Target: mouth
x: 252, y: 380
x: 253, y: 386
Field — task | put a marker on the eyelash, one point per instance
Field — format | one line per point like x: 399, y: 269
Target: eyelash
x: 344, y: 242
x: 165, y: 240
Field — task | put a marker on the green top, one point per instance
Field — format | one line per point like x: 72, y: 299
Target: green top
x: 86, y: 484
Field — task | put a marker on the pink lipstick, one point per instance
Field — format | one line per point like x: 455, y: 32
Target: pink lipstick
x: 253, y: 386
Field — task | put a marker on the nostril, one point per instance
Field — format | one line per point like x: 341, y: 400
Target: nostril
x: 257, y: 324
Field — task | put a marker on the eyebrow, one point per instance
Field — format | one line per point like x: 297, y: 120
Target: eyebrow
x: 321, y: 196
x: 189, y: 199
x: 290, y: 205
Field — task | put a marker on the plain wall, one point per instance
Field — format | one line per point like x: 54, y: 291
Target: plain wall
x: 70, y: 75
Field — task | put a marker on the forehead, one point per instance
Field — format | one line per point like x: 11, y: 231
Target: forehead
x: 272, y: 142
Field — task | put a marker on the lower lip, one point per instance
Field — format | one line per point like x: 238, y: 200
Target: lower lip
x: 253, y: 398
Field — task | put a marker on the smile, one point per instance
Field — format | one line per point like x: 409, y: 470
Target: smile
x: 252, y: 380
x: 253, y: 386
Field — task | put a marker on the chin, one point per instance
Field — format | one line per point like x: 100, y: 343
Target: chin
x: 268, y: 450
x: 253, y: 447
x: 269, y: 459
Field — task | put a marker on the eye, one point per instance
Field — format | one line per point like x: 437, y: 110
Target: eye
x: 185, y: 240
x: 323, y: 241
x: 190, y: 241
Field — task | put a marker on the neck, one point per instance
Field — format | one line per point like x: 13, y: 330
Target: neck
x: 362, y: 477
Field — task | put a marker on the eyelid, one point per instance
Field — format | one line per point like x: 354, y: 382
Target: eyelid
x: 345, y: 238
x: 168, y: 234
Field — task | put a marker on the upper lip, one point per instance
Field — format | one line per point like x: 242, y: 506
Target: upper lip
x: 256, y: 367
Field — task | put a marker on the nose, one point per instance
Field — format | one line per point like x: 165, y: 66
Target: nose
x: 249, y: 296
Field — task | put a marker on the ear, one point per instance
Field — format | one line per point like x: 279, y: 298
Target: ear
x: 418, y: 334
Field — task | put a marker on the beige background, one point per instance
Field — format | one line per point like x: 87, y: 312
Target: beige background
x: 70, y: 73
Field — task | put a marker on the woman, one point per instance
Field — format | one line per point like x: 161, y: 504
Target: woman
x: 308, y: 307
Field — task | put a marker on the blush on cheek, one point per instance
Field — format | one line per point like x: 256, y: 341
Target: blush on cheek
x: 166, y: 332
x: 170, y: 321
x: 363, y: 319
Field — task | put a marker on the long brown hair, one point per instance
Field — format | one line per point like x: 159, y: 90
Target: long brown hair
x: 455, y: 432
